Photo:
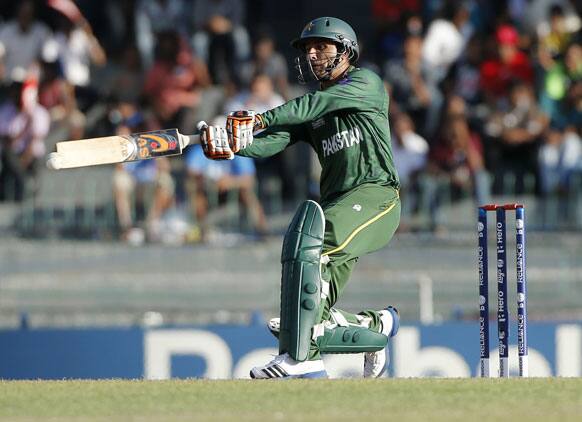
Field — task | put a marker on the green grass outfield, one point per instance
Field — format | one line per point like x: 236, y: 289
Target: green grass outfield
x: 471, y: 400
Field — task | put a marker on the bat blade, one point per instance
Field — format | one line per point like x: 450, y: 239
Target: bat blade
x: 92, y: 152
x: 118, y: 149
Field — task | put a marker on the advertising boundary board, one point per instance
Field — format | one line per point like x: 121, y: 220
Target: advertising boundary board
x: 228, y: 351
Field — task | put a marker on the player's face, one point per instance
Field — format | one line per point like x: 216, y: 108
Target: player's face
x: 320, y: 54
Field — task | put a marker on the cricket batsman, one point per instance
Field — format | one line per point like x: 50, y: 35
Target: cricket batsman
x: 346, y: 123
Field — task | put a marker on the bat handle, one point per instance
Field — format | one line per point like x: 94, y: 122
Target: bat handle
x: 194, y: 139
x: 186, y: 140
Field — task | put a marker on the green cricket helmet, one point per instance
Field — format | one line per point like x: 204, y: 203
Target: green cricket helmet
x: 332, y: 29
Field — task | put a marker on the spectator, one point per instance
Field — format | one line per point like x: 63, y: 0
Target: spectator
x: 410, y: 151
x: 223, y: 177
x: 260, y: 97
x: 76, y: 48
x: 220, y: 38
x: 559, y: 158
x: 173, y: 86
x: 390, y: 18
x: 555, y: 34
x: 408, y: 81
x: 459, y: 153
x: 147, y: 188
x: 509, y: 65
x: 126, y: 80
x: 153, y: 17
x: 55, y: 93
x: 445, y: 40
x: 24, y: 125
x: 557, y: 80
x: 120, y: 27
x: 58, y: 97
x: 464, y: 81
x: 270, y: 62
x: 516, y: 134
x: 466, y: 75
x: 572, y: 107
x: 457, y: 159
x: 482, y: 14
x: 148, y: 182
x: 21, y: 42
x: 535, y: 19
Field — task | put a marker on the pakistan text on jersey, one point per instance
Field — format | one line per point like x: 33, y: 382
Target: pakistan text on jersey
x: 341, y: 140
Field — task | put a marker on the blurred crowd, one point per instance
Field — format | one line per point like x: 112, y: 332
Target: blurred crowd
x: 486, y: 97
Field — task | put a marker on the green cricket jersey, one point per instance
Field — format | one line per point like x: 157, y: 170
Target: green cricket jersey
x: 346, y: 124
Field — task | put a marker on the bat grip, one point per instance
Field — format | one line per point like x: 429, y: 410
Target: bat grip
x: 194, y: 139
x: 186, y: 140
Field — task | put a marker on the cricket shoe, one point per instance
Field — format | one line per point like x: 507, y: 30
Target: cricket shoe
x: 285, y: 367
x: 375, y: 363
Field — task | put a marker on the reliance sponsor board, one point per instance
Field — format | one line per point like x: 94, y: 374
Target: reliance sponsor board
x: 219, y: 352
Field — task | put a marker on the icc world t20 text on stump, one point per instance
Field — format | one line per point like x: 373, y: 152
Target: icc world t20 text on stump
x: 502, y: 306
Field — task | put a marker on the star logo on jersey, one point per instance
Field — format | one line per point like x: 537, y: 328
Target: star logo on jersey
x: 357, y: 207
x: 345, y: 81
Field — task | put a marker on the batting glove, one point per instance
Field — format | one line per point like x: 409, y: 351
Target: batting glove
x: 240, y: 126
x: 214, y: 141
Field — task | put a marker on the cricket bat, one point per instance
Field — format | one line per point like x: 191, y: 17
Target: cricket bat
x: 119, y: 149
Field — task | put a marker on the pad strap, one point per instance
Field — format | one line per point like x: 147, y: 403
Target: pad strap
x: 351, y: 340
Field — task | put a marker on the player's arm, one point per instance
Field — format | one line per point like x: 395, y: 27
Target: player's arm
x: 358, y: 91
x: 357, y: 94
x: 217, y: 146
x: 238, y: 136
x: 272, y: 141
